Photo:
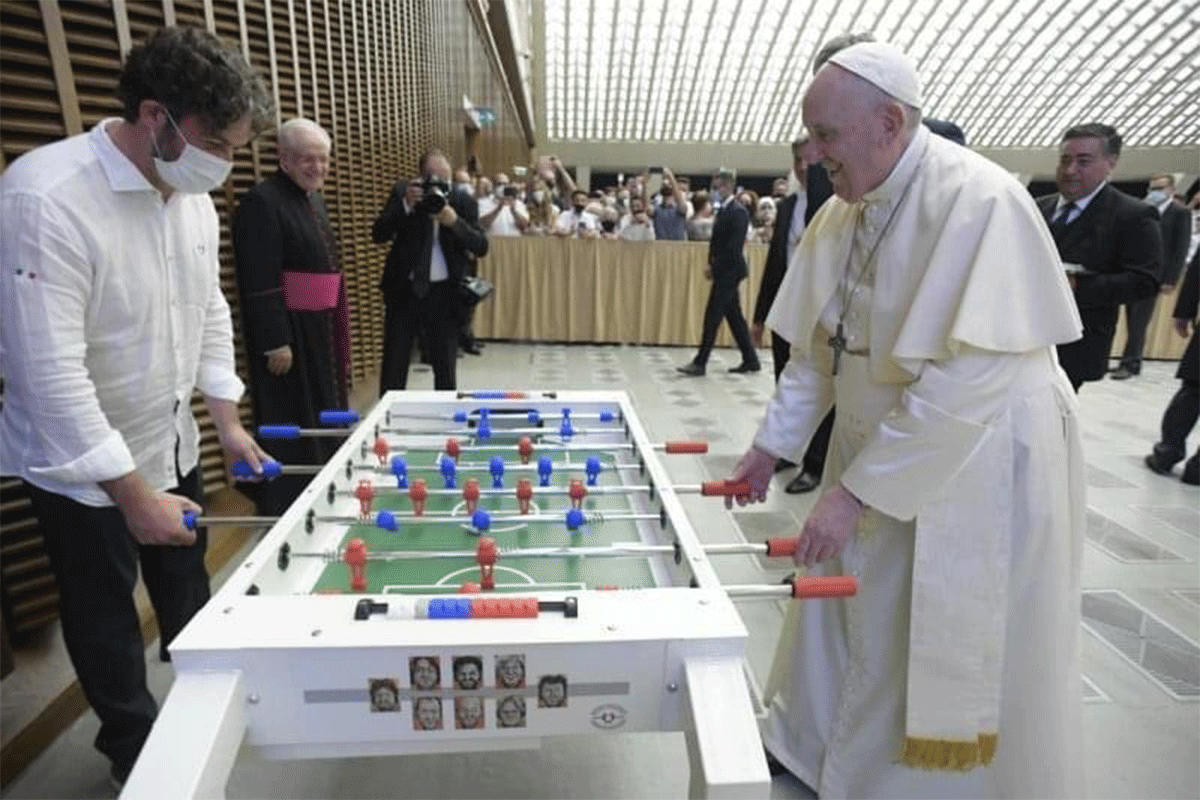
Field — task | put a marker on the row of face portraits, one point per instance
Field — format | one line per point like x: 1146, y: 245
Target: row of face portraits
x: 467, y: 674
x: 469, y: 712
x: 425, y: 672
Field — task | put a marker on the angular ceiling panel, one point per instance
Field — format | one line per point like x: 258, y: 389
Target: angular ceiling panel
x: 1011, y: 73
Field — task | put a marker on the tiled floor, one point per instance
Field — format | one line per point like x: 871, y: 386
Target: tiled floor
x: 1141, y: 603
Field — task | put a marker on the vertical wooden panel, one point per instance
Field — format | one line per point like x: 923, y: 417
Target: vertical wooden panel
x: 121, y: 21
x: 60, y: 61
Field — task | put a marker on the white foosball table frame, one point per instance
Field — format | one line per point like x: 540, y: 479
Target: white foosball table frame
x: 267, y: 664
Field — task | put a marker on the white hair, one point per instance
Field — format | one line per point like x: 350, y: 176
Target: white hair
x: 291, y: 131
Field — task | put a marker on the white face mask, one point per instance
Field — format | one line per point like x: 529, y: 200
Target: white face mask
x: 1156, y: 197
x: 195, y: 171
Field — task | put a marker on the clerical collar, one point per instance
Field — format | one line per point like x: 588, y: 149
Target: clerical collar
x: 904, y: 170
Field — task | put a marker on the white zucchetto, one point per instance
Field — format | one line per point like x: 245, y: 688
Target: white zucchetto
x: 885, y: 66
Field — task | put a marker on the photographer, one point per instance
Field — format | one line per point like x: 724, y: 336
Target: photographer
x: 503, y: 213
x: 432, y: 229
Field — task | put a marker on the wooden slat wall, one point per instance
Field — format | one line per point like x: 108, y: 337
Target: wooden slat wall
x: 386, y: 79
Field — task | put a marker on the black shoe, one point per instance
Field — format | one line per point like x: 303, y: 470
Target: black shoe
x: 803, y: 483
x: 773, y: 765
x: 692, y: 369
x: 1124, y: 373
x: 1191, y: 471
x: 1159, y: 463
x: 783, y: 464
x: 746, y: 368
x: 473, y: 349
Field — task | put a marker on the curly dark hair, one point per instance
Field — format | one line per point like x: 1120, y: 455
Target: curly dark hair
x: 191, y: 71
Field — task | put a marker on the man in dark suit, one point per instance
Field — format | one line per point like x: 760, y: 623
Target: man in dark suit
x: 1176, y: 225
x: 791, y: 217
x: 1180, y: 416
x: 1109, y: 242
x: 432, y: 229
x: 726, y: 268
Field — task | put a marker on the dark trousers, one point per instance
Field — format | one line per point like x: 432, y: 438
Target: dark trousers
x: 724, y: 303
x: 95, y: 562
x: 1178, y: 421
x: 1137, y: 319
x: 436, y: 317
x: 818, y: 446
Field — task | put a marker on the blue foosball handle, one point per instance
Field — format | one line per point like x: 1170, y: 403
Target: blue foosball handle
x: 270, y: 469
x: 338, y: 417
x: 279, y: 431
x: 189, y: 520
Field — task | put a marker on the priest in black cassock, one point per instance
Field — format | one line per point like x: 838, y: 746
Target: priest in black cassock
x: 295, y: 320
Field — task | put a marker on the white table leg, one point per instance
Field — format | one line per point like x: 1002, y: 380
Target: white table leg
x: 195, y: 740
x: 723, y: 741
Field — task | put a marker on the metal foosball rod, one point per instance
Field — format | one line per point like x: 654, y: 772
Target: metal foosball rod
x: 718, y: 488
x: 503, y: 606
x: 532, y: 416
x: 772, y: 548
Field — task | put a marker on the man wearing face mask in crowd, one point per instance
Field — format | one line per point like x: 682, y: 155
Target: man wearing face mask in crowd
x: 434, y: 231
x: 502, y: 213
x: 577, y: 221
x: 670, y: 210
x: 112, y: 313
x: 1175, y: 224
x: 636, y: 226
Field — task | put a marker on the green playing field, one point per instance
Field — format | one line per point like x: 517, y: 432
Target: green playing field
x: 442, y: 575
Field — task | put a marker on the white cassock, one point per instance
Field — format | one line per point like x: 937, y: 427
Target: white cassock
x: 955, y: 670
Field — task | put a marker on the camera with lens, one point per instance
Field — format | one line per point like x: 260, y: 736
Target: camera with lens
x: 436, y: 190
x: 510, y: 191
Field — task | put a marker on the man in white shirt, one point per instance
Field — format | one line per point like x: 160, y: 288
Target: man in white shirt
x: 577, y: 222
x: 636, y: 225
x: 502, y: 213
x: 112, y: 313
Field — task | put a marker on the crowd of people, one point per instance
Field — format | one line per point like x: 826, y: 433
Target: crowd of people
x: 547, y: 202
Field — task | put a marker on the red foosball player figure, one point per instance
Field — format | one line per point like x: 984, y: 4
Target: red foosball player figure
x: 577, y: 491
x: 365, y: 493
x: 356, y: 558
x: 382, y: 451
x: 525, y: 448
x: 471, y: 495
x: 470, y: 587
x: 524, y: 494
x: 453, y: 449
x: 486, y: 553
x: 418, y: 493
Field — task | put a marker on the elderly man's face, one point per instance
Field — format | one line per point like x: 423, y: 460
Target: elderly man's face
x: 306, y: 160
x: 848, y: 132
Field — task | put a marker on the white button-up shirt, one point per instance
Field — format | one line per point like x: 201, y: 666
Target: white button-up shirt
x: 111, y: 313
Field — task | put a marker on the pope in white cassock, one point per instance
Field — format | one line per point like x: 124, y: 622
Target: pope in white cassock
x: 926, y: 299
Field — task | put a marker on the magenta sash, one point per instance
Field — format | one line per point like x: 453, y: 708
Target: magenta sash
x: 322, y: 291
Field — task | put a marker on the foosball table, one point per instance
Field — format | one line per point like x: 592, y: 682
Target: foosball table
x: 470, y: 572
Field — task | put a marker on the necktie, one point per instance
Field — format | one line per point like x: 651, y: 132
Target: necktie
x: 1060, y: 222
x: 420, y: 270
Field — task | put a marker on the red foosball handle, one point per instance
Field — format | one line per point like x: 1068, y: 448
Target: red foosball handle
x: 686, y: 447
x: 782, y: 546
x: 724, y: 488
x: 831, y: 586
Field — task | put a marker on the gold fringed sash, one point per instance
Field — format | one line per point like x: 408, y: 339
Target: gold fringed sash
x: 950, y: 755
